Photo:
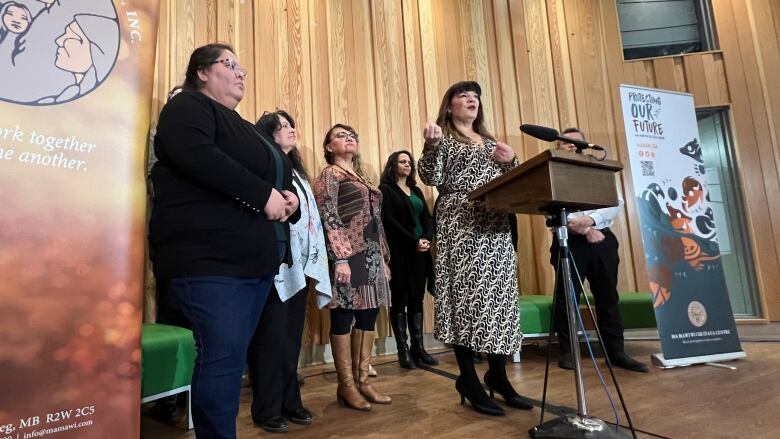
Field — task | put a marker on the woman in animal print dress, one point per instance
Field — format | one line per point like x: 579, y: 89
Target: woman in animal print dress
x: 476, y: 265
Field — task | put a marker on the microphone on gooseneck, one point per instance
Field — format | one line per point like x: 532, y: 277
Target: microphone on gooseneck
x: 550, y: 135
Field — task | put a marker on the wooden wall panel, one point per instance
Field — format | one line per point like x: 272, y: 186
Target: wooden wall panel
x: 382, y: 66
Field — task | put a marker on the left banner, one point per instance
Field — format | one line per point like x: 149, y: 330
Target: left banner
x: 75, y: 96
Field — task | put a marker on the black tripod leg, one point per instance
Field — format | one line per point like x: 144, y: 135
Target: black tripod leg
x: 549, y: 340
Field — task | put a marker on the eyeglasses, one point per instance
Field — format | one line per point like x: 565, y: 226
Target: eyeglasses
x: 233, y: 65
x: 344, y: 135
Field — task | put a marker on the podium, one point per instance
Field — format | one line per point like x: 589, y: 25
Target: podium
x: 555, y: 183
x: 552, y: 180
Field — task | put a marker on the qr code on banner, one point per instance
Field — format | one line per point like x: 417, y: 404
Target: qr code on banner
x: 648, y: 169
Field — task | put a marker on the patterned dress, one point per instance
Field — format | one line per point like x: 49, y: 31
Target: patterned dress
x: 476, y: 265
x: 350, y: 209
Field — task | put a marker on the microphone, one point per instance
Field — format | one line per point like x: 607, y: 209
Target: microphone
x: 551, y: 135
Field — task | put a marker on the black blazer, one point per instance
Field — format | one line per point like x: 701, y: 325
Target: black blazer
x: 399, y: 229
x: 397, y: 215
x: 213, y: 177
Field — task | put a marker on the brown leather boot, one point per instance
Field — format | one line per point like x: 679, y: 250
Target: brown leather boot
x: 347, y: 392
x: 362, y: 344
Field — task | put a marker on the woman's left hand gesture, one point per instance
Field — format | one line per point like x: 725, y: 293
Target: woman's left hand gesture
x: 503, y: 153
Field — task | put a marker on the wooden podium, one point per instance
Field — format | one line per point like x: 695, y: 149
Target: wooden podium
x: 552, y: 180
x: 556, y: 183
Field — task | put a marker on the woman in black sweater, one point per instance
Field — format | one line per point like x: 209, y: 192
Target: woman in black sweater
x: 222, y: 197
x: 409, y: 229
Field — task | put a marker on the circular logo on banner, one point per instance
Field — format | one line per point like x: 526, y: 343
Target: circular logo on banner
x: 55, y: 51
x: 697, y: 314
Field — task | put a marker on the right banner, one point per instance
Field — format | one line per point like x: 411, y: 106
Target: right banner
x: 691, y: 301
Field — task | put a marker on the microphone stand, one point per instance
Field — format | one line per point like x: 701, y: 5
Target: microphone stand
x: 581, y: 425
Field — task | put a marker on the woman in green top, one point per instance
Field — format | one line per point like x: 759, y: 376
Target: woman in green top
x: 409, y: 230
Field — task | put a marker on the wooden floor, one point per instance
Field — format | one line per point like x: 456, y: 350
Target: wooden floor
x: 691, y: 402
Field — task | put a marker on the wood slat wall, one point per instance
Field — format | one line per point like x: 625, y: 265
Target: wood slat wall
x: 383, y: 65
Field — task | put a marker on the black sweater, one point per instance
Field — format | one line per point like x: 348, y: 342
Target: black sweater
x: 213, y: 177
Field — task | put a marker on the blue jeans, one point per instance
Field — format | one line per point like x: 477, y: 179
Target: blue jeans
x: 224, y: 312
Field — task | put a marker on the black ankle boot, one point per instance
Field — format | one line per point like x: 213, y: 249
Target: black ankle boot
x: 511, y: 397
x: 398, y: 322
x: 468, y: 385
x: 419, y: 355
x: 478, y: 398
x: 496, y: 380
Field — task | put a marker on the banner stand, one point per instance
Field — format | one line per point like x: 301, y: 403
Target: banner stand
x: 677, y: 219
x: 658, y: 360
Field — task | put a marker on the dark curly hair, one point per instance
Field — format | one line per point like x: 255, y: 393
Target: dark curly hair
x: 269, y: 124
x: 390, y: 173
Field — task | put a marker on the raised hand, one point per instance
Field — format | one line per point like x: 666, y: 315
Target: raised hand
x: 432, y: 134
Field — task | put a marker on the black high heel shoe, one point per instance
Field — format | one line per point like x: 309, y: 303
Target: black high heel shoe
x: 511, y: 397
x: 479, y: 402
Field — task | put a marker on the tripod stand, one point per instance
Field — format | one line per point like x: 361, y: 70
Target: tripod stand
x: 580, y: 425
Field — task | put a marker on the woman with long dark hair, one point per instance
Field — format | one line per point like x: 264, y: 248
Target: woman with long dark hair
x: 350, y: 207
x: 409, y: 228
x: 273, y: 352
x: 476, y: 265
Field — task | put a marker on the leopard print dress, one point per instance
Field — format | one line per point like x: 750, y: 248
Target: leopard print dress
x: 476, y: 265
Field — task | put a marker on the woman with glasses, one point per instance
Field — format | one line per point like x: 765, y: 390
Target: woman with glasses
x: 476, y: 266
x: 273, y: 352
x: 350, y: 208
x: 223, y: 196
x: 409, y: 234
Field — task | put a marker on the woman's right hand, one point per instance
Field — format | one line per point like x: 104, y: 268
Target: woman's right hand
x: 423, y: 245
x: 432, y: 134
x: 343, y: 273
x: 275, y: 206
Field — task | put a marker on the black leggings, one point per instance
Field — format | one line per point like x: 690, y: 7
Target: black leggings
x: 341, y: 320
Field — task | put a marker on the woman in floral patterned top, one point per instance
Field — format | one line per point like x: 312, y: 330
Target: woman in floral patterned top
x: 350, y: 209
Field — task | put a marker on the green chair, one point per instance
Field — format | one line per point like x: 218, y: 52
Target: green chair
x: 167, y: 359
x: 636, y: 310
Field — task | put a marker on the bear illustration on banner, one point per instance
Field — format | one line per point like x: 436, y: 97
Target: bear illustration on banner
x: 56, y: 51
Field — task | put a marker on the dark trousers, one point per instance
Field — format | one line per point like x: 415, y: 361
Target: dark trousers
x: 273, y: 357
x: 223, y: 312
x: 168, y: 308
x: 598, y: 263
